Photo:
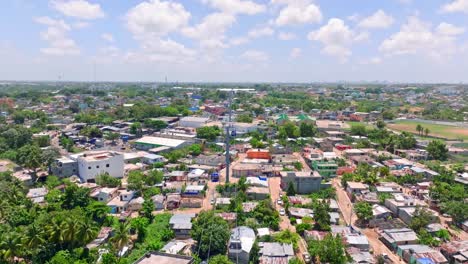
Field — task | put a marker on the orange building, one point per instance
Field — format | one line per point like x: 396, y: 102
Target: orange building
x: 258, y: 154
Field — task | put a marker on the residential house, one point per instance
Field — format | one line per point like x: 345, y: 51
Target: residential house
x: 356, y: 188
x: 136, y: 204
x: 37, y: 195
x: 421, y: 254
x: 393, y: 238
x: 158, y: 201
x: 173, y: 201
x: 181, y: 224
x: 240, y: 244
x: 456, y: 251
x: 193, y: 121
x: 304, y: 182
x: 275, y: 253
x: 106, y: 194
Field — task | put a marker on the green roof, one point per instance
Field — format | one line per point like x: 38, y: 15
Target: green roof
x: 303, y: 117
x: 283, y: 117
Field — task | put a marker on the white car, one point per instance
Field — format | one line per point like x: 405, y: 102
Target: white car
x: 280, y: 202
x: 212, y: 201
x: 282, y: 212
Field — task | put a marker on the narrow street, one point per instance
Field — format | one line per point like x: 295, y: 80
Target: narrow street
x: 346, y: 210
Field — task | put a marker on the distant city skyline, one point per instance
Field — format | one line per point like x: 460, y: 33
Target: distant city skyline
x: 235, y: 40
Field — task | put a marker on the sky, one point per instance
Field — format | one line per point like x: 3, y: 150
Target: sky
x: 234, y: 40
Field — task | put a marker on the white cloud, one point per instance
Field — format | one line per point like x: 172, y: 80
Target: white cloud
x: 298, y: 12
x: 211, y: 31
x: 56, y: 36
x: 418, y: 37
x: 150, y: 22
x: 261, y: 32
x: 255, y: 55
x: 78, y: 8
x: 162, y: 50
x: 377, y: 20
x: 286, y: 36
x: 449, y: 29
x: 295, y: 53
x: 456, y: 6
x: 107, y: 37
x: 157, y: 18
x: 80, y: 25
x: 238, y: 41
x: 336, y: 38
x: 372, y: 61
x: 236, y: 6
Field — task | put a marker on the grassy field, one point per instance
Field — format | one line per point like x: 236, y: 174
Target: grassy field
x: 449, y: 132
x: 351, y: 123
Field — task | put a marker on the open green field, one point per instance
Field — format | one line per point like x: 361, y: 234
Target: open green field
x: 444, y: 131
x: 351, y: 123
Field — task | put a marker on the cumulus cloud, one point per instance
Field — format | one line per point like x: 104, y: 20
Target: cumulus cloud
x: 236, y: 6
x: 255, y: 55
x: 155, y: 17
x: 377, y: 20
x: 449, y: 29
x: 456, y: 6
x: 78, y: 9
x: 261, y: 32
x: 371, y: 61
x: 297, y: 12
x: 336, y: 38
x: 211, y: 31
x: 107, y: 37
x: 150, y: 22
x: 286, y: 36
x: 418, y: 37
x: 238, y: 41
x: 60, y: 44
x: 295, y: 53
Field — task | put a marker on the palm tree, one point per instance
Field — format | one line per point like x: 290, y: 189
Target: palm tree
x: 70, y: 228
x: 121, y: 235
x: 97, y: 211
x: 427, y: 131
x: 10, y: 246
x: 34, y: 237
x: 55, y: 231
x: 86, y: 232
x: 419, y: 128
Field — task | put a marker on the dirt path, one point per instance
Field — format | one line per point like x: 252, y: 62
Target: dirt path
x: 346, y: 210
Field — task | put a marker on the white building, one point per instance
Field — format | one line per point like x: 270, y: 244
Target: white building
x: 193, y: 121
x: 92, y: 164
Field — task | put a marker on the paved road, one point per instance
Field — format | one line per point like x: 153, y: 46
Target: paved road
x: 346, y: 209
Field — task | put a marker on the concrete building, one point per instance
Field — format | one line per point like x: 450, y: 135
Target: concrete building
x: 64, y: 167
x: 240, y: 244
x: 325, y: 168
x: 193, y: 121
x: 149, y: 143
x: 93, y: 164
x: 273, y: 252
x: 304, y: 182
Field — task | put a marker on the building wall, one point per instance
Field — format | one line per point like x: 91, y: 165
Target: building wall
x: 88, y: 170
x: 302, y: 185
x: 64, y: 169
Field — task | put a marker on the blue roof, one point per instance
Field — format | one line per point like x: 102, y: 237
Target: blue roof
x: 425, y: 261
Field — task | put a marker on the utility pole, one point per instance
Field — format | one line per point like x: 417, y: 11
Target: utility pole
x: 228, y: 135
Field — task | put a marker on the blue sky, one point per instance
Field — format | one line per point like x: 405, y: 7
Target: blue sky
x: 235, y: 40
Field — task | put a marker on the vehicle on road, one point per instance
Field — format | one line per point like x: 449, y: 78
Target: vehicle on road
x: 280, y: 202
x: 212, y: 201
x: 282, y: 212
x: 306, y: 258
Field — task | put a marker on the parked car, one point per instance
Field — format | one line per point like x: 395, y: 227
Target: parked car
x: 306, y: 258
x: 280, y: 202
x: 282, y: 212
x: 212, y: 201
